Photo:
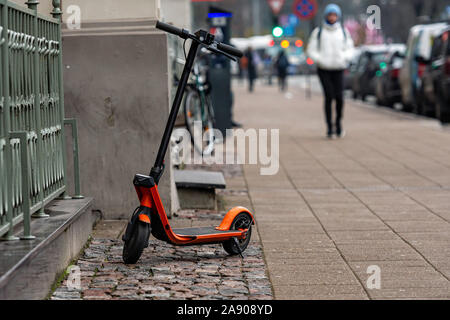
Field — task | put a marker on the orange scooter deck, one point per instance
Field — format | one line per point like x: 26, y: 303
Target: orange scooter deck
x: 150, y: 200
x: 207, y: 235
x: 202, y: 231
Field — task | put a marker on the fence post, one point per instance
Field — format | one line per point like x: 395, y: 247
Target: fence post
x: 57, y: 14
x: 33, y: 4
x: 22, y: 136
x: 7, y: 124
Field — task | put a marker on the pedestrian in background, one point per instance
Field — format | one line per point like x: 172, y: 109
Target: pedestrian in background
x: 251, y: 68
x: 243, y: 68
x: 331, y: 48
x: 282, y: 64
x: 268, y: 67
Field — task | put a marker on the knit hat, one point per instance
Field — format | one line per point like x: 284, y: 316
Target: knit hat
x: 332, y: 8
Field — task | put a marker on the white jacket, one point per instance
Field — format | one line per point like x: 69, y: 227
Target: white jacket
x: 335, y: 52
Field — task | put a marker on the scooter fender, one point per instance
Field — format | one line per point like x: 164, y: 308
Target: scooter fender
x: 229, y: 217
x: 142, y: 215
x: 144, y: 218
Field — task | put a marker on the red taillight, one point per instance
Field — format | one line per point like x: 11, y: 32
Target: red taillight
x: 447, y: 66
x: 421, y: 69
x: 395, y: 73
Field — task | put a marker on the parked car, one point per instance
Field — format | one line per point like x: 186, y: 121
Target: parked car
x: 387, y: 87
x: 365, y: 74
x: 435, y: 90
x: 417, y: 56
x: 350, y: 71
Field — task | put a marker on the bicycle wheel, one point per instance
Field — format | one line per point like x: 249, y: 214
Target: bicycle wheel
x: 208, y: 147
x: 197, y: 112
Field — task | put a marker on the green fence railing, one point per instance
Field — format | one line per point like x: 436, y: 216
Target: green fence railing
x: 32, y: 144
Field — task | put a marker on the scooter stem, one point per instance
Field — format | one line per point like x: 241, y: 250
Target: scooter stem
x: 158, y: 167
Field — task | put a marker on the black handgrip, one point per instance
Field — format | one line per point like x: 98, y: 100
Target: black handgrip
x: 230, y: 50
x: 169, y: 28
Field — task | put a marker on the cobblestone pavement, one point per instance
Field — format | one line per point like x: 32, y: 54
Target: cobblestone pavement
x: 169, y: 272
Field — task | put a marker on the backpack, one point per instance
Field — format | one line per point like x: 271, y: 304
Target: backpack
x: 283, y: 62
x: 319, y: 34
x: 244, y: 62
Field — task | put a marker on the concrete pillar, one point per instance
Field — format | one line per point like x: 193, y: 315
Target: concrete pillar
x: 116, y: 83
x: 177, y: 12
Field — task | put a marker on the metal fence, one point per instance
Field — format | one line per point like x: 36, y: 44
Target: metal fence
x: 32, y: 144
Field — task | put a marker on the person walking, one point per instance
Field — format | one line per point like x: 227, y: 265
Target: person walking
x: 331, y: 48
x: 282, y: 64
x: 251, y: 68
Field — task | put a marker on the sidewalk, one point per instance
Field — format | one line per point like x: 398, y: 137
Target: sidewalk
x: 380, y: 197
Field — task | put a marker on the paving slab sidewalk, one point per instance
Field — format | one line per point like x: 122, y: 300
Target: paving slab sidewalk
x: 379, y: 197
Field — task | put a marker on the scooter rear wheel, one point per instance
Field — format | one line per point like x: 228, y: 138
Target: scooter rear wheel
x: 133, y: 248
x: 241, y: 221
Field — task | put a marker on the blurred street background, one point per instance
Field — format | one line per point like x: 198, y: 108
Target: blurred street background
x: 354, y: 212
x: 379, y: 198
x: 403, y: 62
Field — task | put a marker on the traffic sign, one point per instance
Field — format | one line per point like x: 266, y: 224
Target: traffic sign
x: 305, y: 9
x: 276, y: 6
x: 277, y: 31
x: 293, y: 20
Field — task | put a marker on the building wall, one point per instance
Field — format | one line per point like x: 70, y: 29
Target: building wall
x: 116, y: 84
x: 44, y: 7
x: 107, y: 10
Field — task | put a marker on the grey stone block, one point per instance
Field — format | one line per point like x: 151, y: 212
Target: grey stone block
x: 196, y: 188
x: 28, y: 268
x: 199, y: 179
x: 196, y: 198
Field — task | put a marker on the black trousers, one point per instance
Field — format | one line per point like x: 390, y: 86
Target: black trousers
x: 282, y: 82
x: 333, y: 88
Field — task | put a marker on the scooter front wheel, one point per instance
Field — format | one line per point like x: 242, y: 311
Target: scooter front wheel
x: 133, y: 248
x: 241, y: 222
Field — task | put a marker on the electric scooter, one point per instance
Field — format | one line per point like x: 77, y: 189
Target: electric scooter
x: 234, y: 231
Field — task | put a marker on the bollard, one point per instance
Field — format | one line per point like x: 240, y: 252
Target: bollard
x: 76, y: 162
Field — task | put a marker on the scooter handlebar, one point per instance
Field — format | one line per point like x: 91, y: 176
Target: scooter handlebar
x: 169, y: 28
x: 230, y: 50
x: 182, y: 33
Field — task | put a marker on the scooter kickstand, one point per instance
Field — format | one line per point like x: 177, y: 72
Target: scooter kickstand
x: 238, y: 247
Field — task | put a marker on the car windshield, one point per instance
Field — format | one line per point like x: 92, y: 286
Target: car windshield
x: 379, y: 57
x: 397, y: 62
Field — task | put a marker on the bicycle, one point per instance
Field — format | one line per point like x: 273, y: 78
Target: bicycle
x: 198, y: 108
